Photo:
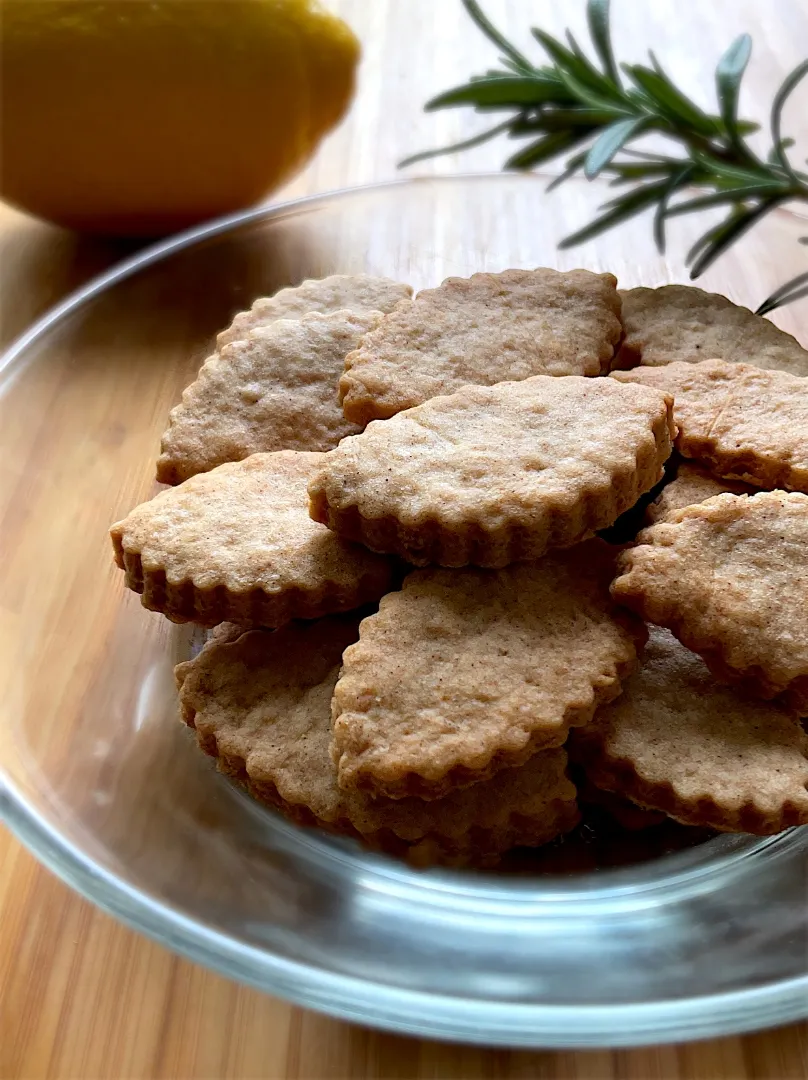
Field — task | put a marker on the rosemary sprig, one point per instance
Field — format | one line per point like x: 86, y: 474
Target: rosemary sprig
x: 572, y: 103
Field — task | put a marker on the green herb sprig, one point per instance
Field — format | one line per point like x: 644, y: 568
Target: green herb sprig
x: 575, y: 104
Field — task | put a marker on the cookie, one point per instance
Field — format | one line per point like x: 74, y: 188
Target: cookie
x: 359, y: 292
x: 261, y: 706
x: 463, y: 673
x: 275, y: 389
x: 740, y: 421
x: 691, y: 485
x: 678, y: 742
x: 483, y: 330
x: 490, y: 475
x: 237, y: 545
x: 729, y: 577
x: 680, y: 323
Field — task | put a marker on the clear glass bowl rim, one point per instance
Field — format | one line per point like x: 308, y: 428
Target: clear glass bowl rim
x: 489, y: 1023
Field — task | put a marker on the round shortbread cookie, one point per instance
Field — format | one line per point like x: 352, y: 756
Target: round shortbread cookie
x: 261, y: 706
x: 237, y: 545
x: 462, y: 673
x: 492, y: 475
x: 679, y: 322
x: 729, y: 577
x: 678, y: 742
x: 274, y: 389
x: 739, y: 421
x: 359, y: 292
x: 482, y: 330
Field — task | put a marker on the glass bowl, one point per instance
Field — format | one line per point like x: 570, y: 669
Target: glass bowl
x: 100, y: 780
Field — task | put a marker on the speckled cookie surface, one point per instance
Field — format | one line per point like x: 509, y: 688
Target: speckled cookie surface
x: 678, y: 322
x: 483, y: 330
x: 359, y: 292
x: 261, y: 706
x: 741, y: 421
x: 691, y: 485
x: 275, y: 389
x: 729, y: 577
x: 679, y: 742
x: 490, y: 475
x: 237, y: 544
x: 462, y: 673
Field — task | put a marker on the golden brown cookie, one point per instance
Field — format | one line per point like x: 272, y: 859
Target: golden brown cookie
x: 490, y: 475
x: 678, y: 322
x: 739, y: 420
x: 261, y: 706
x: 729, y: 577
x: 483, y: 330
x: 275, y: 389
x: 690, y: 486
x: 359, y: 292
x: 463, y: 673
x: 678, y: 742
x: 237, y: 545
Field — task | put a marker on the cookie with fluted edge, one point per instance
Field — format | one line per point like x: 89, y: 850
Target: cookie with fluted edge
x: 275, y: 389
x: 482, y: 330
x: 261, y: 707
x: 237, y: 545
x: 729, y: 577
x: 464, y: 673
x: 359, y: 292
x: 690, y: 486
x: 678, y: 742
x: 491, y: 475
x: 740, y: 421
x: 680, y: 323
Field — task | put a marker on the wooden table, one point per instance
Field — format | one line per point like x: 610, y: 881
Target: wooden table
x: 76, y: 988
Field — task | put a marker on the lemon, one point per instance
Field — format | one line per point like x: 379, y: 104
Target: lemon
x: 140, y: 117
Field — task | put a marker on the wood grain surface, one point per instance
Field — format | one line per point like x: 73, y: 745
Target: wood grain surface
x: 83, y: 997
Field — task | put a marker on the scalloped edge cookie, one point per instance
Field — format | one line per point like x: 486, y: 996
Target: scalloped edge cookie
x: 237, y: 545
x: 359, y: 292
x: 492, y: 475
x: 678, y: 742
x: 260, y: 706
x: 275, y: 389
x: 743, y: 422
x: 463, y: 673
x: 682, y: 323
x: 482, y: 330
x: 729, y: 577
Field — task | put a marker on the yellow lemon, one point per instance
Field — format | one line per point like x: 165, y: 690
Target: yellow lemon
x: 140, y: 117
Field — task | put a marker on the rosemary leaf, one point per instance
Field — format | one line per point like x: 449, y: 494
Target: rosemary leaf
x: 671, y: 103
x: 618, y: 210
x: 610, y: 140
x: 728, y: 195
x: 780, y: 98
x: 677, y: 181
x: 544, y: 149
x: 785, y: 294
x: 501, y: 92
x: 466, y: 144
x: 491, y: 32
x: 728, y: 75
x: 597, y: 13
x: 569, y: 99
x: 727, y: 233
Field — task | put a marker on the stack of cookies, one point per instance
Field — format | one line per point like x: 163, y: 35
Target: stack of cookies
x: 387, y: 508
